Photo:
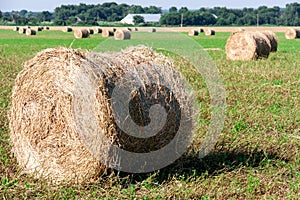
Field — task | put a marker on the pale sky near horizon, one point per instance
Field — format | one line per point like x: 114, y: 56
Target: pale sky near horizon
x: 50, y: 5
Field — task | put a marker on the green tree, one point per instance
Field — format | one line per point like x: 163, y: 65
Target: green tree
x: 171, y: 18
x: 173, y: 9
x: 138, y: 19
x: 1, y: 14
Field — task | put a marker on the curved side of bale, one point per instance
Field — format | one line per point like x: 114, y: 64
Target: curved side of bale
x: 247, y: 46
x: 122, y: 35
x: 43, y: 133
x: 67, y: 29
x: 292, y: 33
x: 107, y: 33
x: 16, y: 28
x: 81, y: 33
x: 209, y: 32
x: 22, y: 30
x: 30, y: 31
x: 273, y: 40
x: 193, y: 33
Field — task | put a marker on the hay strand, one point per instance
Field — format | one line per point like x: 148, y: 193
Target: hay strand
x: 247, y: 46
x: 81, y: 33
x: 122, y: 35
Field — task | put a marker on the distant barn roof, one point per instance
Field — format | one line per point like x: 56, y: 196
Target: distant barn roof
x: 147, y: 17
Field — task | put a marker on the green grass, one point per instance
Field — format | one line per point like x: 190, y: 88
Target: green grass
x: 256, y: 157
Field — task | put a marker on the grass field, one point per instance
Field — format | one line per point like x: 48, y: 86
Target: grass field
x: 256, y: 157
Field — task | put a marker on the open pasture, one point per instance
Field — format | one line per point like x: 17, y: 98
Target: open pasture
x: 256, y: 157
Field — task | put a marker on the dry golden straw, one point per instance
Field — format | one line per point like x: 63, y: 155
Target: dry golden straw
x: 247, y: 46
x: 44, y: 131
x: 122, y: 35
x: 292, y: 33
x: 81, y: 33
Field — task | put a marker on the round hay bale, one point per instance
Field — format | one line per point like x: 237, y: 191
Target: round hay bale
x: 209, y: 32
x: 201, y: 30
x: 22, y: 30
x: 81, y: 33
x: 273, y: 39
x: 97, y: 30
x: 129, y: 29
x: 107, y: 33
x: 152, y: 30
x: 16, y: 28
x: 45, y: 129
x: 39, y: 28
x: 91, y: 31
x: 67, y: 29
x: 136, y: 29
x: 47, y: 28
x: 247, y: 46
x: 122, y: 35
x: 292, y: 33
x: 193, y: 33
x: 30, y: 31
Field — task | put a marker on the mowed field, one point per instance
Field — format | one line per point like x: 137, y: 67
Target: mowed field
x: 256, y: 157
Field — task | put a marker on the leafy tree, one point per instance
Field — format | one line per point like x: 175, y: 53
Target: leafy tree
x: 136, y: 9
x: 138, y: 19
x: 173, y: 9
x: 1, y: 14
x: 183, y: 9
x: 171, y: 18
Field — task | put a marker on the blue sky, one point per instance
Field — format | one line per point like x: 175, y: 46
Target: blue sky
x: 40, y: 5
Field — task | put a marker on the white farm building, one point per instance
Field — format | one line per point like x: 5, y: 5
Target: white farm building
x: 147, y: 17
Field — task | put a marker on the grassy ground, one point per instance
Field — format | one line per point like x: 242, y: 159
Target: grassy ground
x: 256, y: 157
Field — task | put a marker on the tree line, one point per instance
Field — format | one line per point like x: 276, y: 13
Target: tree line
x: 84, y: 14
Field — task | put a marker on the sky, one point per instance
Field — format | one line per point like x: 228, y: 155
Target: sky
x: 50, y: 5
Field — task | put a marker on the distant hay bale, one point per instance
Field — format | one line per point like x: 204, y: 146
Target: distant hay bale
x: 107, y: 33
x: 22, y: 30
x: 39, y: 28
x: 16, y: 28
x: 209, y: 32
x: 136, y: 29
x: 44, y: 126
x: 30, y: 31
x: 201, y: 30
x: 152, y: 30
x: 247, y: 46
x: 67, y: 29
x: 273, y: 40
x: 81, y: 33
x: 97, y: 30
x: 193, y: 33
x: 129, y: 29
x: 91, y: 31
x: 292, y: 33
x: 122, y: 35
x: 47, y: 28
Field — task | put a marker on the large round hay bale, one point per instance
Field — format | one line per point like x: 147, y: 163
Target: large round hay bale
x: 107, y: 33
x: 292, y: 33
x: 39, y: 28
x: 193, y: 33
x: 122, y: 35
x: 91, y: 31
x: 67, y: 29
x: 16, y: 28
x: 22, y: 30
x: 30, y: 31
x: 201, y: 30
x: 81, y: 33
x: 60, y: 89
x: 209, y: 32
x: 273, y: 40
x: 247, y: 46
